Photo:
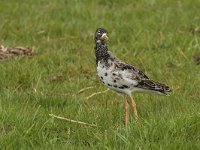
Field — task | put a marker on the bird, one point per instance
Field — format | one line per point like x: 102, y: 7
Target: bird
x: 122, y: 77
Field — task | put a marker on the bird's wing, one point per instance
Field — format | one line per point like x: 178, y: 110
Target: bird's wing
x: 129, y: 70
x: 135, y: 77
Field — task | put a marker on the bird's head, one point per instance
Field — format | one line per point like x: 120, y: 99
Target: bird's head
x: 101, y: 35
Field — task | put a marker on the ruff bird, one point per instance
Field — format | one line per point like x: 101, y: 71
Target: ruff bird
x: 120, y: 76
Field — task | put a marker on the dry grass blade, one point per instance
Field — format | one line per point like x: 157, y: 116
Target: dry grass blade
x: 97, y: 93
x: 56, y: 94
x: 85, y: 89
x: 74, y: 121
x: 183, y: 54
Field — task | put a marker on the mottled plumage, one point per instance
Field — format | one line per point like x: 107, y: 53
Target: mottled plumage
x: 118, y: 75
x: 121, y: 76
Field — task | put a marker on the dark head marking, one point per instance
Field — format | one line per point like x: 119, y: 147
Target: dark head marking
x: 100, y: 35
x: 101, y: 50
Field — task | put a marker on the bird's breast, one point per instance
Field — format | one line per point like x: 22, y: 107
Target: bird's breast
x: 112, y: 78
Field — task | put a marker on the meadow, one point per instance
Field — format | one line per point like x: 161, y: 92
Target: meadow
x: 159, y: 37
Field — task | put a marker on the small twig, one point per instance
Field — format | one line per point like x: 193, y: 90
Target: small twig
x: 70, y: 120
x: 84, y: 89
x: 97, y: 93
x: 182, y: 53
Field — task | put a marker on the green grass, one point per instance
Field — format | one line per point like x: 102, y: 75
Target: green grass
x: 149, y: 34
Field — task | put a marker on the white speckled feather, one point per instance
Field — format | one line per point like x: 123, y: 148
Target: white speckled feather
x: 115, y: 78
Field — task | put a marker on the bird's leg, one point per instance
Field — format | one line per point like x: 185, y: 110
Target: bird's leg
x: 134, y: 107
x: 126, y: 117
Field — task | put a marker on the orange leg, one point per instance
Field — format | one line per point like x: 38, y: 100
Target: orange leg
x: 126, y: 118
x: 134, y: 107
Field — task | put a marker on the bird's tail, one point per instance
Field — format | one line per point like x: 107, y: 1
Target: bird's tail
x: 155, y: 86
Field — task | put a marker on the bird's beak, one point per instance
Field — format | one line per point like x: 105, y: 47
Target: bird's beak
x: 104, y: 37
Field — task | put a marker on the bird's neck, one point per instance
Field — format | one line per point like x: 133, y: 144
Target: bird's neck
x: 101, y: 51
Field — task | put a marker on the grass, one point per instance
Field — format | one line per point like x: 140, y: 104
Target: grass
x: 149, y: 34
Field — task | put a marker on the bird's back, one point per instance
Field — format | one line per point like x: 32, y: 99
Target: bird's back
x: 125, y: 78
